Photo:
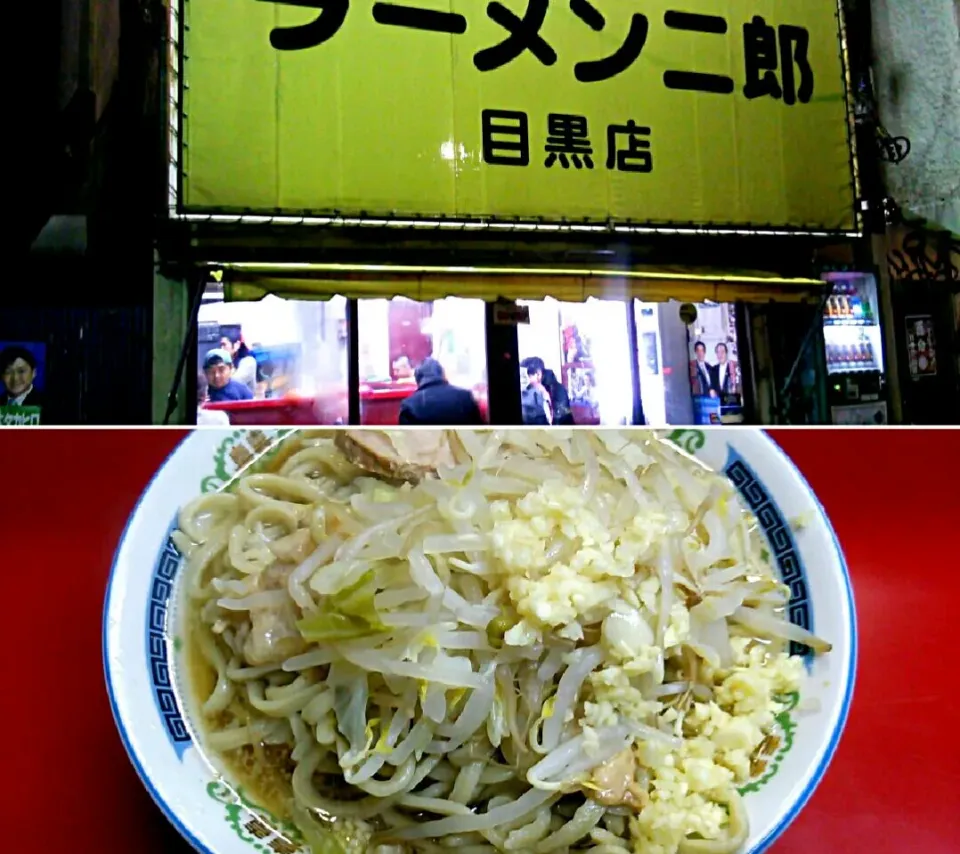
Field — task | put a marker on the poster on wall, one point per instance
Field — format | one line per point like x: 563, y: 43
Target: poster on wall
x: 921, y: 347
x: 579, y: 374
x: 651, y: 353
x: 22, y: 377
x: 715, y: 380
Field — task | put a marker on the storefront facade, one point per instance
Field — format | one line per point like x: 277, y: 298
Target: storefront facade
x: 924, y: 270
x: 481, y: 196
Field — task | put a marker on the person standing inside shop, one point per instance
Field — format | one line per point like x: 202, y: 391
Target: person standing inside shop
x: 436, y: 403
x: 701, y: 373
x: 208, y: 417
x: 537, y: 408
x: 218, y: 369
x: 244, y: 362
x: 562, y: 415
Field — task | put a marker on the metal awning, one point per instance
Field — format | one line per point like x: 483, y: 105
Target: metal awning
x: 252, y: 281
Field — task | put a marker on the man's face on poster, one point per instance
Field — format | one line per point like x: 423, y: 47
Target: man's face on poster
x: 721, y: 352
x: 701, y: 352
x: 17, y: 377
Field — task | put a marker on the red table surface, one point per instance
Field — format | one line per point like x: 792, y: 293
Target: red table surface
x: 894, y: 498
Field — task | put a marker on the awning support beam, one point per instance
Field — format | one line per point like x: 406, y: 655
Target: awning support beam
x: 637, y: 416
x: 354, y: 411
x: 196, y: 284
x: 783, y: 399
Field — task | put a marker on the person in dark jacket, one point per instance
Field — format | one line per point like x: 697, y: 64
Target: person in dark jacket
x: 437, y: 403
x: 723, y: 375
x: 536, y: 406
x: 559, y: 400
x: 701, y: 372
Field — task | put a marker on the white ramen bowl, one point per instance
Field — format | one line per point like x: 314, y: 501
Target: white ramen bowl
x: 145, y: 670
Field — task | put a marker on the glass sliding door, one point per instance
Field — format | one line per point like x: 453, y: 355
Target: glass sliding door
x: 396, y: 336
x: 575, y: 363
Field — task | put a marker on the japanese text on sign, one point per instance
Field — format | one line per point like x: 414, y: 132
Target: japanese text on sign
x: 19, y: 416
x: 426, y: 109
x: 767, y: 48
x: 506, y: 142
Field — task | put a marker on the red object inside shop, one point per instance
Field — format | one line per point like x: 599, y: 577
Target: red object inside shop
x: 379, y: 406
x: 388, y: 378
x: 291, y: 409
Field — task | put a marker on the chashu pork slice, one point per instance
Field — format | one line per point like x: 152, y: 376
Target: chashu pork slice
x: 399, y: 455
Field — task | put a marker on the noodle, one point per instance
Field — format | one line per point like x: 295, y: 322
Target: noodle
x: 550, y: 640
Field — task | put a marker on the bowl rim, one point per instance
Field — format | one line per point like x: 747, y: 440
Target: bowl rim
x: 850, y: 674
x: 761, y: 846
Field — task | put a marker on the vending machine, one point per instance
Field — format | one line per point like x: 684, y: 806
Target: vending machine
x: 853, y: 339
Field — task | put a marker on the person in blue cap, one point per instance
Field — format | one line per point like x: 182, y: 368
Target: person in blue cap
x: 218, y: 369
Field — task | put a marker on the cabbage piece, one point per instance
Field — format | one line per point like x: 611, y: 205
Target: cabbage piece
x: 318, y: 838
x: 351, y: 691
x: 357, y: 600
x: 326, y: 626
x: 346, y: 615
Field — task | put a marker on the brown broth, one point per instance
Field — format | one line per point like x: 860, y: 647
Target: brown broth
x: 263, y: 772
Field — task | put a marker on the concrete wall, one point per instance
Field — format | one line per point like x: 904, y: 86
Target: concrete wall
x: 916, y: 47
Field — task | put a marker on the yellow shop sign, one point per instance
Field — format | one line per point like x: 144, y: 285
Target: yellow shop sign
x: 607, y: 113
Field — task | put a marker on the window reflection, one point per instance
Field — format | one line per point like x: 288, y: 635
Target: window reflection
x: 585, y: 374
x: 300, y: 348
x: 689, y: 374
x: 398, y: 335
